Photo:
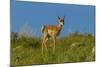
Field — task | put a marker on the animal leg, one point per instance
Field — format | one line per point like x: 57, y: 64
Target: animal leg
x: 54, y: 39
x: 42, y: 45
x: 45, y: 44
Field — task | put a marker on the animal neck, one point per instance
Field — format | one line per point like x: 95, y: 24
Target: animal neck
x: 60, y: 26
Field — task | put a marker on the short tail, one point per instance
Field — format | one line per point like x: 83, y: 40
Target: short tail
x: 42, y: 29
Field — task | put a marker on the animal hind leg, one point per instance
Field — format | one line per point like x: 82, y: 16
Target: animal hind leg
x: 42, y: 46
x: 45, y: 44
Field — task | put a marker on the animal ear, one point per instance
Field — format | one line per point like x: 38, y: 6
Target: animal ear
x: 58, y: 17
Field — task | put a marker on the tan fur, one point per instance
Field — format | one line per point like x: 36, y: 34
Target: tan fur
x: 51, y: 31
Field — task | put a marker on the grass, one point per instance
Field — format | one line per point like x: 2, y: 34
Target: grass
x: 27, y: 51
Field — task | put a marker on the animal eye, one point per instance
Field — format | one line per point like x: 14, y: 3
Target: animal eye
x: 61, y: 20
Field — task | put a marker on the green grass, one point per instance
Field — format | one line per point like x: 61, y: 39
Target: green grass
x: 27, y: 51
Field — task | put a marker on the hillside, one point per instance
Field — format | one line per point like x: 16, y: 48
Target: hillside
x: 71, y: 48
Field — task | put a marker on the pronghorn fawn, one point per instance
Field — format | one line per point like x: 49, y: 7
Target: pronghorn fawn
x: 51, y: 31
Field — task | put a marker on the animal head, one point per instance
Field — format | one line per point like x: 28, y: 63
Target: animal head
x: 61, y: 20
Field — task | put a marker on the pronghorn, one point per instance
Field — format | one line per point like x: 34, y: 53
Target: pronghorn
x: 51, y: 31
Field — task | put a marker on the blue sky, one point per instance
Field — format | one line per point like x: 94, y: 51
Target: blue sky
x: 77, y: 17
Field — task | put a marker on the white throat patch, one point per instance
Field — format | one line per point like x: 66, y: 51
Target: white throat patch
x: 61, y: 23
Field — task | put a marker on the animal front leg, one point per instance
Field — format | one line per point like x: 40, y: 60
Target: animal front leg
x: 54, y: 39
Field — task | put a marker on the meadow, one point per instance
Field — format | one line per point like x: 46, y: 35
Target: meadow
x: 75, y: 47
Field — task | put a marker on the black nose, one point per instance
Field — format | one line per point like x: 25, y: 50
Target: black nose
x: 63, y: 23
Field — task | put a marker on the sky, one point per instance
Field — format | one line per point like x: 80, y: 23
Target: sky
x: 79, y: 18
